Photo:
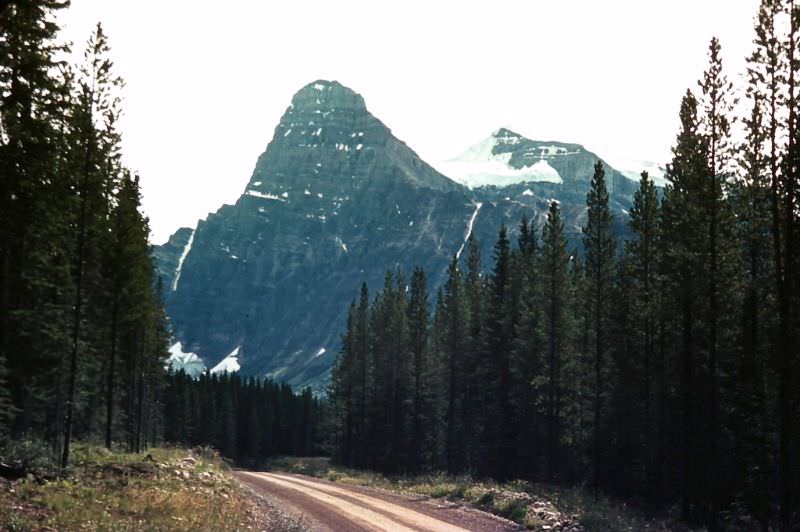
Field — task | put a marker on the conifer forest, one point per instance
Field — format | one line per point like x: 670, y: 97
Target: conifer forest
x: 656, y: 360
x: 83, y: 333
x: 660, y: 365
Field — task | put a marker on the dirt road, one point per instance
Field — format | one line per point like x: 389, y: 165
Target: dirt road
x: 324, y: 506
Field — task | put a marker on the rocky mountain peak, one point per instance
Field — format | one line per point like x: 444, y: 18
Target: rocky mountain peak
x: 326, y: 95
x: 506, y: 136
x: 327, y: 142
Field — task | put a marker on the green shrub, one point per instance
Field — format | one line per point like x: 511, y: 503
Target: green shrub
x: 30, y: 454
x: 487, y: 499
x: 514, y: 509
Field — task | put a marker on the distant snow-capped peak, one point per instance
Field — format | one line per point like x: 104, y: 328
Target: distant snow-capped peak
x: 488, y: 163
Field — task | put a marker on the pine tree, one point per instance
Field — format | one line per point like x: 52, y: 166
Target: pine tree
x: 425, y: 415
x: 452, y: 325
x: 715, y: 127
x: 554, y: 281
x: 599, y: 245
x: 526, y: 361
x: 682, y: 215
x: 393, y: 379
x: 34, y: 226
x: 497, y: 432
x: 341, y: 397
x: 642, y: 251
x: 750, y: 198
x: 95, y: 152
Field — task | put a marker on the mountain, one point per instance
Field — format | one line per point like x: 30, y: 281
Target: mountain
x: 549, y: 169
x: 262, y: 286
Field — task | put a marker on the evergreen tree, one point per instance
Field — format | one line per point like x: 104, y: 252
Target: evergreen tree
x: 34, y: 226
x: 715, y: 127
x: 94, y: 153
x: 497, y: 432
x: 341, y: 397
x: 526, y: 356
x: 642, y: 254
x: 554, y: 281
x: 452, y: 320
x: 750, y: 197
x: 599, y: 244
x: 682, y: 215
x: 394, y: 383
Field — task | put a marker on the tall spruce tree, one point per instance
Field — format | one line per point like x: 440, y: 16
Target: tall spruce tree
x: 424, y: 405
x: 715, y: 127
x: 94, y: 147
x: 341, y: 400
x: 554, y: 277
x: 599, y: 245
x: 684, y: 264
x: 750, y: 198
x: 452, y: 319
x: 34, y: 207
x: 497, y: 431
x: 642, y: 253
x: 526, y: 356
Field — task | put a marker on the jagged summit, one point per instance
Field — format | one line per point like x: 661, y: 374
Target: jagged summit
x: 327, y: 143
x: 507, y: 136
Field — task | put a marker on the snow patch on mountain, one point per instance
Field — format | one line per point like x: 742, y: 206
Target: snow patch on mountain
x: 480, y: 165
x: 265, y: 195
x: 182, y: 258
x: 187, y: 361
x: 470, y: 225
x: 229, y: 364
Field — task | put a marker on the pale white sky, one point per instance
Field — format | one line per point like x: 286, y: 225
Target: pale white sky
x: 207, y: 82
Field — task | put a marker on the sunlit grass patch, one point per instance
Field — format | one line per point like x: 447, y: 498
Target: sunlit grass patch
x: 162, y: 489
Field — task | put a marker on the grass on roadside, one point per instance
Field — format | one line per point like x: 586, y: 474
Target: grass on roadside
x: 162, y: 489
x: 535, y: 506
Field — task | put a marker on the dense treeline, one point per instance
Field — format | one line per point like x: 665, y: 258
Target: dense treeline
x: 661, y: 369
x: 83, y: 334
x: 82, y: 329
x: 247, y: 420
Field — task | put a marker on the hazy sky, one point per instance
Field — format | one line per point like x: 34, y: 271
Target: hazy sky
x: 207, y: 82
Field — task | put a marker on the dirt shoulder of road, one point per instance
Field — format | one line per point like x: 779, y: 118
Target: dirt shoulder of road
x: 529, y: 505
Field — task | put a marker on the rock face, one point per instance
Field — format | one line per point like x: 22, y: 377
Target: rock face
x: 334, y: 201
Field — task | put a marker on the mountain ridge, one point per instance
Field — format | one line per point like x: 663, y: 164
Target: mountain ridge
x: 336, y: 200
